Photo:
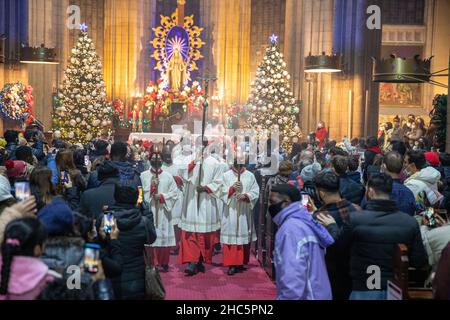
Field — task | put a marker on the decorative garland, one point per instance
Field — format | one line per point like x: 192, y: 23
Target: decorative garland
x: 439, y: 120
x: 16, y: 101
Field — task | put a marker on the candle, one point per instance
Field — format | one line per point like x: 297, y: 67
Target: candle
x: 134, y: 119
x: 141, y: 118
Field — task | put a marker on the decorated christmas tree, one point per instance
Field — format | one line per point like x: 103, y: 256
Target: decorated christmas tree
x: 81, y: 113
x: 272, y: 103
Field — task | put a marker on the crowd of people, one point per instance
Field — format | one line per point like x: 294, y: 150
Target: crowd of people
x: 339, y: 210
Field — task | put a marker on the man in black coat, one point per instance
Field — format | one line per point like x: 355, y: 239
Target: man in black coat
x: 349, y: 189
x: 338, y: 254
x: 136, y: 229
x: 373, y: 236
x: 93, y: 200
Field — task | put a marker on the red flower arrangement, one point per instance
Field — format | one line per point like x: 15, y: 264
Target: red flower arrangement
x: 160, y: 97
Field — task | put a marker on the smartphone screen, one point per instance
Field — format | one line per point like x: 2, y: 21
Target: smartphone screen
x: 91, y: 257
x: 305, y: 200
x: 22, y: 190
x: 64, y: 177
x: 86, y: 160
x: 141, y: 196
x: 108, y: 222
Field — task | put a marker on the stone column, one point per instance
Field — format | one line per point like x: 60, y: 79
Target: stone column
x: 358, y: 44
x: 227, y: 26
x: 47, y: 25
x: 316, y: 23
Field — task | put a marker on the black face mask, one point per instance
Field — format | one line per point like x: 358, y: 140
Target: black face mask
x: 156, y: 164
x: 167, y: 159
x: 275, y: 209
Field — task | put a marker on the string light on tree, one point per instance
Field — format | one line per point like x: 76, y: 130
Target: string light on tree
x: 82, y: 113
x: 272, y: 102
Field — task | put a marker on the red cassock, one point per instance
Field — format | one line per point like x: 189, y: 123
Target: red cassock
x: 321, y: 135
x: 161, y: 256
x: 196, y: 245
x: 236, y: 255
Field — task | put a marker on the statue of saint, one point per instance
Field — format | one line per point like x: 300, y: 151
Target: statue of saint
x: 176, y: 70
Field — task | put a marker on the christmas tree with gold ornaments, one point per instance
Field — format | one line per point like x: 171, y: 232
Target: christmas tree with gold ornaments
x: 81, y: 113
x: 271, y: 102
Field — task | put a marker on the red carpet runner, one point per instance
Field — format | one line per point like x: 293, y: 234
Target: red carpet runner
x: 215, y: 284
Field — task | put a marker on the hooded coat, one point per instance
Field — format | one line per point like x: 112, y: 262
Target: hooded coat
x: 133, y: 226
x: 28, y: 277
x: 423, y: 184
x: 300, y: 245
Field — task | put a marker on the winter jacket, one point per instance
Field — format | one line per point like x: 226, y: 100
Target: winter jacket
x: 51, y: 164
x: 299, y: 256
x: 133, y: 235
x: 374, y: 234
x: 354, y: 176
x: 38, y: 150
x: 402, y: 196
x: 93, y: 200
x: 338, y: 255
x: 63, y: 252
x: 28, y: 277
x: 112, y: 260
x: 435, y: 240
x: 351, y: 190
x: 423, y: 184
x: 127, y: 173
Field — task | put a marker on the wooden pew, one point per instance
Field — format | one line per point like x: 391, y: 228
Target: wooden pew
x: 409, y: 280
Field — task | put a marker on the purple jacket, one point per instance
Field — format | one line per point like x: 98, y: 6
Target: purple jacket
x: 299, y: 255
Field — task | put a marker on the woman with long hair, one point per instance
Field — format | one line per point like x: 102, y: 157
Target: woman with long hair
x: 42, y: 187
x: 23, y: 276
x: 71, y: 182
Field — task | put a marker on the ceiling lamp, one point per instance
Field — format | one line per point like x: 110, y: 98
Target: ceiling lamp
x: 2, y: 48
x: 323, y: 63
x: 405, y: 70
x: 38, y: 55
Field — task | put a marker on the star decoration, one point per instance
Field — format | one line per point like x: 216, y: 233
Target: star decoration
x: 274, y: 38
x: 83, y: 27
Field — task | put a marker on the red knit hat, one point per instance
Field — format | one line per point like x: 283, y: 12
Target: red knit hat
x: 432, y: 158
x: 16, y: 169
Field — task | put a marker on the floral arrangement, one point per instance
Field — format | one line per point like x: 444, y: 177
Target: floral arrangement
x: 159, y: 98
x: 236, y: 112
x: 116, y: 110
x: 16, y: 101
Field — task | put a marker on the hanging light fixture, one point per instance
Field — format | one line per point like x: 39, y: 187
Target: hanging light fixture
x: 323, y: 63
x: 2, y: 48
x: 38, y: 55
x: 406, y: 70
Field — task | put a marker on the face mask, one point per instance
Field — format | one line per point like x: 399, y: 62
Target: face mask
x: 328, y: 158
x: 275, y: 209
x: 156, y: 163
x: 167, y: 159
x: 407, y: 173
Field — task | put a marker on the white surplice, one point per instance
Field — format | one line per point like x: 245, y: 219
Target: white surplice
x: 162, y: 212
x: 203, y: 217
x: 174, y: 170
x: 229, y: 233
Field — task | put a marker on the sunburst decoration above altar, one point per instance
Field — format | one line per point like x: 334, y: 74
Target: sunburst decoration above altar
x: 170, y: 36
